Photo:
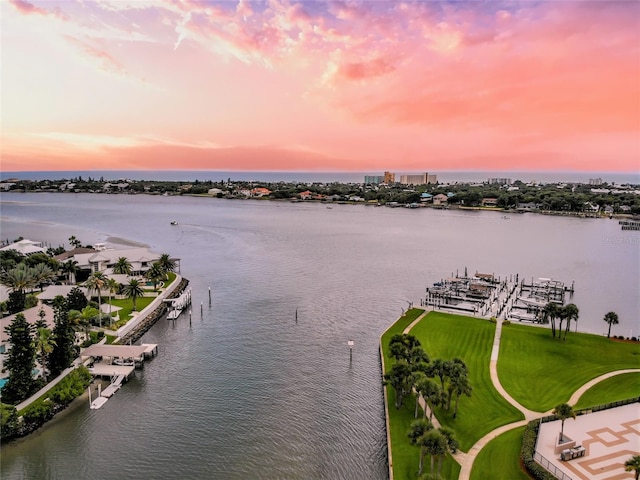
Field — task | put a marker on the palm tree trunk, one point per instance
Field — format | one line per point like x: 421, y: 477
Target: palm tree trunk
x: 415, y: 414
x: 420, y: 465
x: 609, y: 334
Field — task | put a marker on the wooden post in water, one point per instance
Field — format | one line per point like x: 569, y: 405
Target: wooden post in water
x: 209, y: 296
x: 201, y: 314
x: 350, y: 343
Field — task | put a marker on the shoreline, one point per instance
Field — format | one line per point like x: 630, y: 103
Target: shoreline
x: 413, y: 206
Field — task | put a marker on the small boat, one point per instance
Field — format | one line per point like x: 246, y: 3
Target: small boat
x: 504, y: 217
x: 173, y: 222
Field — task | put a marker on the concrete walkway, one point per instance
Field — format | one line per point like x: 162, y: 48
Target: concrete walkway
x: 466, y: 459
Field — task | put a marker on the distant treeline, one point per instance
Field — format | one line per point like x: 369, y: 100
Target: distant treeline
x: 558, y: 197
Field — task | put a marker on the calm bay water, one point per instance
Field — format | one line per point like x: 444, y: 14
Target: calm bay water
x: 243, y: 391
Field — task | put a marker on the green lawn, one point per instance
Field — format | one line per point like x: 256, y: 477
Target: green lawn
x: 127, y: 305
x: 446, y: 336
x: 620, y: 387
x: 540, y: 371
x: 405, y: 456
x: 500, y: 458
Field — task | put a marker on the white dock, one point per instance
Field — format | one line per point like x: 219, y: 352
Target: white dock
x: 98, y: 402
x: 113, y: 387
x: 173, y: 314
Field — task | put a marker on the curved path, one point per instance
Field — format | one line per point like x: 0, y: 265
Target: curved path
x: 466, y: 459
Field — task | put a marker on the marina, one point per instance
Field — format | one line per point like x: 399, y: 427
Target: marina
x: 486, y: 295
x: 629, y: 225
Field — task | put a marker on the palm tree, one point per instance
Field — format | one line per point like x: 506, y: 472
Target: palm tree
x: 435, y: 444
x: 451, y: 443
x: 133, y: 290
x: 44, y: 346
x: 612, y: 319
x: 18, y: 279
x: 42, y: 274
x: 401, y: 346
x: 399, y: 379
x: 96, y: 282
x: 155, y: 274
x: 113, y: 287
x: 633, y: 464
x: 70, y: 268
x: 122, y: 266
x: 167, y: 263
x: 563, y: 411
x: 461, y: 386
x: 570, y: 312
x: 74, y: 242
x: 549, y: 313
x: 418, y: 429
x: 433, y: 396
x: 82, y: 319
x: 438, y: 368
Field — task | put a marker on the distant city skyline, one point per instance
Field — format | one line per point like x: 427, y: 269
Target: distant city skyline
x: 320, y: 86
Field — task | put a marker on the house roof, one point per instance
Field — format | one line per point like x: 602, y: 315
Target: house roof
x: 138, y: 254
x: 52, y: 291
x: 66, y: 255
x: 25, y: 247
x: 31, y: 315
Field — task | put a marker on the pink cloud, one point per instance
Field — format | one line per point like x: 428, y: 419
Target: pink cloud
x: 27, y: 8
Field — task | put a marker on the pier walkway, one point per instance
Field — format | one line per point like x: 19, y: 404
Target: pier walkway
x: 466, y: 459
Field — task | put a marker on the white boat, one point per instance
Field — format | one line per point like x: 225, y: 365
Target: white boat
x: 533, y: 302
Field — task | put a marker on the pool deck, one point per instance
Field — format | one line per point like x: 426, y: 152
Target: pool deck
x: 610, y: 437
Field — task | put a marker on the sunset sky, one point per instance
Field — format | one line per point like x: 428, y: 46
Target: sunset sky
x: 327, y: 86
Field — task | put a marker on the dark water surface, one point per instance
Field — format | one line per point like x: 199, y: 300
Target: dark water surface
x: 244, y: 392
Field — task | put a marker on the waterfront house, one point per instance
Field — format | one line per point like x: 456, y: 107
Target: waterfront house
x: 528, y: 207
x: 440, y: 199
x: 260, y: 192
x: 25, y: 247
x: 489, y: 202
x: 426, y: 197
x: 140, y: 259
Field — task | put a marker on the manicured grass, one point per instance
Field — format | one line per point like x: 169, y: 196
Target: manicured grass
x: 405, y: 457
x: 447, y: 336
x: 620, y: 387
x: 541, y: 372
x: 500, y: 458
x: 127, y: 305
